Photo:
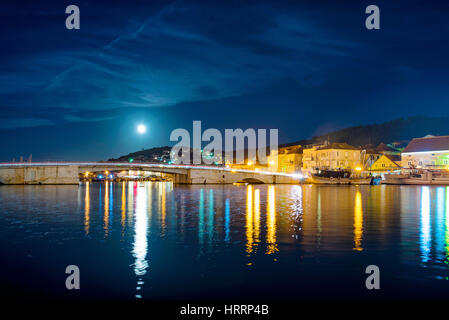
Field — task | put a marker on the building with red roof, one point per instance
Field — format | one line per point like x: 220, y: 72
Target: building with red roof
x: 431, y: 152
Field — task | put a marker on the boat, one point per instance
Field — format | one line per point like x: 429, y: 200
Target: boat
x: 394, y: 178
x: 419, y: 178
x: 427, y: 177
x: 338, y: 177
x: 360, y: 180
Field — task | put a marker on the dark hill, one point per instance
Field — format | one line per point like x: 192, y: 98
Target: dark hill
x: 396, y: 130
x: 401, y: 130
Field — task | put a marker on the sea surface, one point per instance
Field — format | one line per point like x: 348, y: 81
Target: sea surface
x: 156, y: 240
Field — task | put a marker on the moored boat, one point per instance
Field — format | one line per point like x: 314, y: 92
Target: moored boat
x: 356, y: 180
x: 394, y: 178
x: 338, y: 177
x: 328, y: 180
x: 427, y: 177
x: 419, y: 178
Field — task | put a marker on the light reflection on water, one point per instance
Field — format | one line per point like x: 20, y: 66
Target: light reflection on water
x: 175, y: 236
x: 358, y: 222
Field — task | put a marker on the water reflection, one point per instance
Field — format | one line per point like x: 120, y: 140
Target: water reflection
x: 447, y: 225
x: 140, y: 235
x: 106, y: 210
x: 87, y: 210
x: 256, y: 216
x: 210, y: 220
x: 162, y: 192
x: 425, y: 228
x: 358, y: 222
x: 201, y: 220
x: 318, y: 217
x: 131, y: 193
x: 411, y: 224
x: 439, y: 225
x: 249, y: 219
x: 433, y: 214
x: 271, y: 221
x: 123, y: 208
x: 227, y: 220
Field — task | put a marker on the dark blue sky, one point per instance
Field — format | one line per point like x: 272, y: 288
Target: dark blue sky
x: 305, y: 67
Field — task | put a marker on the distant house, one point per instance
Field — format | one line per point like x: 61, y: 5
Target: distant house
x: 431, y: 152
x: 386, y: 163
x: 289, y: 159
x: 332, y: 156
x: 371, y: 155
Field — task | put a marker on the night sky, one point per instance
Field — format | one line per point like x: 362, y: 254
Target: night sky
x: 305, y: 67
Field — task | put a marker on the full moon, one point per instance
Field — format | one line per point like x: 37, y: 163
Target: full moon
x: 141, y: 129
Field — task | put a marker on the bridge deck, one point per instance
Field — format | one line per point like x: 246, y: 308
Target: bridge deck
x: 68, y: 172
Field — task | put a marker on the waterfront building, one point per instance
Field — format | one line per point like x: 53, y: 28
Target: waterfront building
x: 332, y: 156
x: 289, y: 159
x: 429, y: 152
x: 387, y: 163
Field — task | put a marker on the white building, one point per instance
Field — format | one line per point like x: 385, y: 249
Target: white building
x: 429, y: 152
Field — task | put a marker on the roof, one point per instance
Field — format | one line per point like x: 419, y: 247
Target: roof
x: 428, y: 143
x: 336, y: 145
x: 290, y: 149
x: 383, y: 147
x: 394, y: 158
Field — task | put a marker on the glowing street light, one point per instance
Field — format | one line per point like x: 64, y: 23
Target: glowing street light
x: 141, y: 129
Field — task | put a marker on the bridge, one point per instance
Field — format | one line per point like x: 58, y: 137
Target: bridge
x: 69, y: 173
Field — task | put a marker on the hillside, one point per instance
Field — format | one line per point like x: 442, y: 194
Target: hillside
x: 158, y: 154
x: 396, y: 130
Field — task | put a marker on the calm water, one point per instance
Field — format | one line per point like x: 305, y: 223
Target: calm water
x: 159, y: 241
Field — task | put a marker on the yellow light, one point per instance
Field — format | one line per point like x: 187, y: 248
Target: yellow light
x: 86, y: 174
x: 358, y: 169
x: 271, y: 163
x: 249, y: 163
x: 106, y: 172
x: 257, y: 169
